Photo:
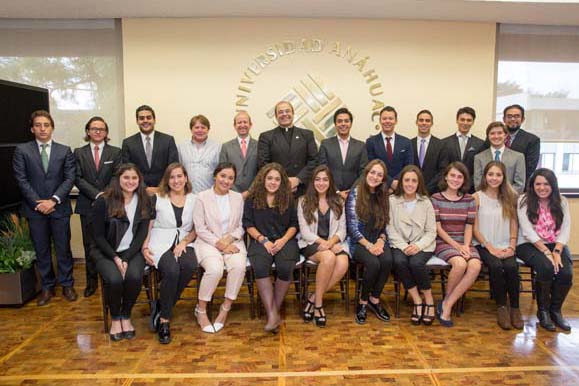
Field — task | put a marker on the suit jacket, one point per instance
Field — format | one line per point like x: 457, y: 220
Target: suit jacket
x: 434, y: 162
x: 164, y: 153
x: 89, y: 181
x: 402, y: 153
x: 246, y: 167
x: 299, y: 158
x: 452, y: 150
x: 207, y: 219
x: 514, y: 162
x: 345, y: 173
x: 35, y: 184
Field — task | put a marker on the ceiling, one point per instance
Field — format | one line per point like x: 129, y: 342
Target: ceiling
x: 525, y: 12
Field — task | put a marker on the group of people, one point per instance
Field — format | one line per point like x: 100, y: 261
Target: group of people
x: 389, y: 204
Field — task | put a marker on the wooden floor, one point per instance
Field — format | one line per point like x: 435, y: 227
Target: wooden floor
x: 64, y: 343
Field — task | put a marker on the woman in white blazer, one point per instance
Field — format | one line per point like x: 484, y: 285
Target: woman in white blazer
x: 169, y: 244
x: 322, y: 220
x: 218, y: 222
x: 412, y: 235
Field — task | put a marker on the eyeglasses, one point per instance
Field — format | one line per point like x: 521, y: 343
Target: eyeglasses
x: 514, y: 116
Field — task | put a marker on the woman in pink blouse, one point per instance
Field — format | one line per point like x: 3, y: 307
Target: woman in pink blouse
x: 544, y: 229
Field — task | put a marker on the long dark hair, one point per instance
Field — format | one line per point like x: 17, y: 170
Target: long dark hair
x: 381, y: 207
x: 507, y: 196
x: 283, y: 196
x: 311, y: 199
x: 115, y: 200
x: 531, y: 200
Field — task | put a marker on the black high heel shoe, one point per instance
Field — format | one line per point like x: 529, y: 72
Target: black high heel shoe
x: 320, y: 320
x: 427, y: 319
x: 308, y: 312
x: 416, y: 316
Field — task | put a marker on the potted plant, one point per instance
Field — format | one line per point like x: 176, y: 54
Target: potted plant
x: 18, y: 281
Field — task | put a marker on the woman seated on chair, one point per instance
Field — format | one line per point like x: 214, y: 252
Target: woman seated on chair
x: 412, y: 235
x: 169, y: 244
x: 367, y: 216
x: 323, y: 238
x: 495, y: 229
x: 455, y: 212
x: 120, y: 222
x: 271, y: 221
x: 218, y: 215
x: 544, y: 230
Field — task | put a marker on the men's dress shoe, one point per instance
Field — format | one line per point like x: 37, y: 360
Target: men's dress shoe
x: 164, y: 333
x: 361, y: 313
x: 129, y: 334
x: 560, y: 321
x: 69, y: 294
x: 380, y: 312
x: 116, y: 337
x: 155, y: 316
x: 45, y: 297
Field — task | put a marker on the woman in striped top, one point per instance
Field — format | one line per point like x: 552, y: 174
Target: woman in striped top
x: 455, y: 212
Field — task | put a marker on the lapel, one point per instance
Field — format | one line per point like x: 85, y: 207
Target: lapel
x: 251, y: 149
x: 156, y: 148
x: 456, y: 146
x: 89, y: 160
x: 431, y: 150
x: 52, y: 158
x: 236, y: 150
x: 140, y: 149
x: 104, y: 157
x: 34, y: 150
x: 381, y: 142
x: 335, y: 143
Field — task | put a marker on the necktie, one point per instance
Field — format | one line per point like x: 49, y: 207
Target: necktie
x: 462, y: 144
x: 97, y: 158
x: 508, y: 141
x: 421, y: 151
x: 149, y: 151
x: 497, y: 155
x: 44, y: 157
x: 389, y: 149
x: 243, y: 148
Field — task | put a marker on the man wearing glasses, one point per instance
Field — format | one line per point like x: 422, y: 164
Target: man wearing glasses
x: 521, y: 140
x: 96, y: 163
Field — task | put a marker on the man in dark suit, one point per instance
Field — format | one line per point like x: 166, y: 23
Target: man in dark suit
x: 463, y: 146
x: 428, y: 151
x: 45, y: 173
x: 152, y: 151
x: 521, y: 140
x: 393, y: 149
x: 345, y: 156
x: 292, y: 147
x: 242, y: 152
x: 96, y: 163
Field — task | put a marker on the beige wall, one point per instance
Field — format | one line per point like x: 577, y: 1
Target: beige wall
x: 183, y: 67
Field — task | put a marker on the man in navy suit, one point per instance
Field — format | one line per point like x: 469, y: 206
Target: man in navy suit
x: 393, y: 149
x: 96, y: 163
x: 45, y: 172
x: 428, y: 151
x: 150, y: 150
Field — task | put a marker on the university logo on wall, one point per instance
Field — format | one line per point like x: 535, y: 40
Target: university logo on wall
x: 313, y: 97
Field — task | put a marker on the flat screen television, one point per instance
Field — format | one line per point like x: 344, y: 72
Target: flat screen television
x: 17, y: 102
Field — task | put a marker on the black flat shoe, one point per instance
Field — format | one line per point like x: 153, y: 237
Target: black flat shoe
x: 545, y: 321
x: 320, y: 320
x: 379, y: 311
x: 89, y: 291
x: 116, y: 337
x: 443, y: 322
x: 164, y: 333
x: 361, y: 313
x: 155, y: 316
x: 308, y: 312
x: 129, y: 334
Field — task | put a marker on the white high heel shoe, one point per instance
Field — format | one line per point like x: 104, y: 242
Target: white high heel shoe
x: 209, y: 329
x: 219, y: 326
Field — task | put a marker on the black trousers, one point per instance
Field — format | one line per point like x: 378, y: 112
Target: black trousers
x: 503, y: 277
x: 285, y: 260
x: 411, y: 270
x: 43, y: 231
x: 376, y: 270
x: 121, y: 294
x: 543, y: 267
x: 175, y: 275
x: 90, y: 264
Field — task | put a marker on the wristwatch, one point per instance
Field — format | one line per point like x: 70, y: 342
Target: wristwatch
x: 264, y: 240
x: 557, y: 250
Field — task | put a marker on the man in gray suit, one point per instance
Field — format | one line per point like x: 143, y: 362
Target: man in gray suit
x: 514, y: 161
x: 242, y: 152
x: 345, y: 156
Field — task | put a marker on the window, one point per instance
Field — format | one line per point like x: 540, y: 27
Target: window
x: 78, y: 61
x: 538, y: 68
